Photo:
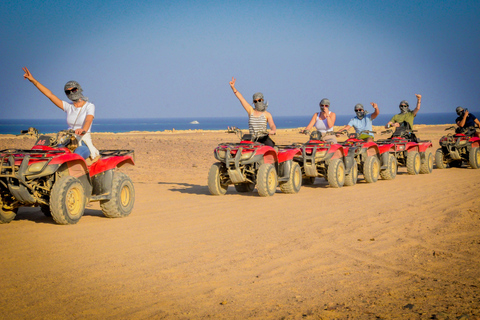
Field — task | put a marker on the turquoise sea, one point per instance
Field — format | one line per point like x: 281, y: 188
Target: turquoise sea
x: 15, y: 126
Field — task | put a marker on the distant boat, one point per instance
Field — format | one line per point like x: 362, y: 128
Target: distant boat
x: 194, y: 122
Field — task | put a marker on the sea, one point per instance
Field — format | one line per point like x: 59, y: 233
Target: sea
x: 15, y: 126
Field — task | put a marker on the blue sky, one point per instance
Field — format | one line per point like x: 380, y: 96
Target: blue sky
x: 175, y: 58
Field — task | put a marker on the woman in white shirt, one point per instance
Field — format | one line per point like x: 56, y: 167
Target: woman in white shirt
x: 324, y: 120
x: 80, y: 113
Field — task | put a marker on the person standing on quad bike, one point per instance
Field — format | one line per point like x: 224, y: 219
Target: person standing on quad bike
x: 323, y: 120
x: 405, y: 115
x: 80, y: 114
x: 363, y: 121
x: 466, y: 120
x: 258, y: 117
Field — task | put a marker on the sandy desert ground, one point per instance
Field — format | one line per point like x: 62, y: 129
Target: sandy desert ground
x: 408, y: 248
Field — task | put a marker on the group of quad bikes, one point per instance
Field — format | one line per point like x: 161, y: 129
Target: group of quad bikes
x: 248, y: 163
x: 51, y: 176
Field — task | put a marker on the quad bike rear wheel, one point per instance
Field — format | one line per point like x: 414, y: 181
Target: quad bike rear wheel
x: 67, y: 200
x: 427, y: 166
x: 244, y: 187
x: 7, y: 215
x: 266, y: 180
x: 413, y: 162
x: 474, y: 158
x: 215, y: 177
x: 294, y: 182
x: 352, y: 176
x: 371, y: 169
x: 440, y: 159
x: 391, y: 171
x: 336, y: 173
x: 122, y: 199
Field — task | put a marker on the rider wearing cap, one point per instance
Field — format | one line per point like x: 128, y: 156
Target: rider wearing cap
x: 258, y: 117
x: 466, y: 119
x: 405, y: 115
x: 363, y: 121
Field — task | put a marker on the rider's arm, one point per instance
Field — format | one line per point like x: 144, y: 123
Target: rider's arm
x: 43, y: 89
x: 86, y: 125
x: 461, y: 123
x: 377, y: 111
x: 239, y: 96
x: 330, y: 119
x: 273, y: 128
x: 345, y: 128
x: 419, y: 100
x: 312, y: 122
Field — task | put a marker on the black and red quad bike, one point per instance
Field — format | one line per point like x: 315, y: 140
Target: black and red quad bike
x: 410, y: 151
x: 462, y: 146
x: 371, y: 159
x: 249, y: 163
x: 321, y: 158
x: 61, y: 182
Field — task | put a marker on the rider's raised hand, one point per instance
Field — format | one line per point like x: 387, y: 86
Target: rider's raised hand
x: 374, y: 105
x: 27, y: 74
x: 232, y: 84
x: 419, y: 96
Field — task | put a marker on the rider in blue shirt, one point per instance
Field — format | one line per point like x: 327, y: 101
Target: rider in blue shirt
x: 363, y: 121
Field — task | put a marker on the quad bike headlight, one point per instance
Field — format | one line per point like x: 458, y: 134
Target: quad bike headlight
x: 36, y: 167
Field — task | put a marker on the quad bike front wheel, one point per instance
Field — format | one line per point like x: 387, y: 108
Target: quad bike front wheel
x: 440, y: 159
x: 7, y: 215
x: 351, y: 177
x: 215, y: 179
x: 427, y: 166
x: 122, y: 198
x: 336, y: 173
x: 67, y: 200
x: 266, y: 180
x: 294, y: 182
x: 391, y: 171
x: 413, y: 162
x: 371, y: 169
x: 474, y: 158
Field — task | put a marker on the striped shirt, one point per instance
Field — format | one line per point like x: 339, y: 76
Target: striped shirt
x: 257, y: 124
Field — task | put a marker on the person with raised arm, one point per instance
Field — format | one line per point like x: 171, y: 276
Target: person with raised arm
x: 80, y: 113
x: 258, y: 117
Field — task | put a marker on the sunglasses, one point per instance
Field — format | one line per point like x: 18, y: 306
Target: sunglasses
x: 73, y: 90
x: 361, y: 110
x: 324, y: 105
x: 255, y: 101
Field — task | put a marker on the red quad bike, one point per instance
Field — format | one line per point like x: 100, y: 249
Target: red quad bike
x: 408, y: 150
x: 463, y: 146
x: 248, y: 164
x: 61, y: 182
x: 320, y: 158
x: 370, y: 159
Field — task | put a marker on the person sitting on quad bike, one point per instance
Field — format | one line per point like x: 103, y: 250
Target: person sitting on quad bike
x: 80, y: 114
x: 466, y: 120
x: 323, y: 121
x: 405, y: 114
x: 362, y: 122
x: 258, y: 117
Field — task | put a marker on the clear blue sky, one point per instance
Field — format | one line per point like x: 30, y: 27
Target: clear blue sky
x: 175, y: 58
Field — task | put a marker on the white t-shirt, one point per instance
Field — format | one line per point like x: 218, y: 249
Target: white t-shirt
x: 76, y: 116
